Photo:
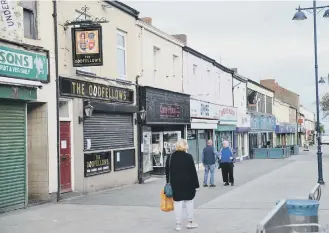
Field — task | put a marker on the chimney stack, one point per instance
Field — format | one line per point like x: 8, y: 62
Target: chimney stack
x: 181, y: 37
x: 147, y: 20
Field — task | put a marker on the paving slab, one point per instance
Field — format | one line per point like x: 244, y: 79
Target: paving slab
x: 238, y: 209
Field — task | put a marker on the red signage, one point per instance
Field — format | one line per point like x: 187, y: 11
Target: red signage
x: 227, y: 111
x: 170, y: 111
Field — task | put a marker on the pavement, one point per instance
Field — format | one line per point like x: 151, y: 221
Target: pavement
x: 259, y: 184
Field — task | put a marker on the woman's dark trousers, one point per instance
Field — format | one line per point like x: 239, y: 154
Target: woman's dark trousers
x: 227, y: 172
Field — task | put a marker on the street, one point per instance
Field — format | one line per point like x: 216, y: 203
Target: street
x: 259, y: 184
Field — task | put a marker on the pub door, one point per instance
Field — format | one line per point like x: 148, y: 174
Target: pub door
x: 65, y: 156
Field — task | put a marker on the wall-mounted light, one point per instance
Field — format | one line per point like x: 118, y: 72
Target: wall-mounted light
x: 88, y: 112
x: 142, y: 114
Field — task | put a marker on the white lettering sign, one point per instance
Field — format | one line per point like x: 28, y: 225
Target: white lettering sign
x: 8, y: 15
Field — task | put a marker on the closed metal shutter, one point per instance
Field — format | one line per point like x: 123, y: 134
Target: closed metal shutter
x: 12, y: 156
x: 109, y: 131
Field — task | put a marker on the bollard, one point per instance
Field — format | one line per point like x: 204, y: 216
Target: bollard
x: 303, y: 212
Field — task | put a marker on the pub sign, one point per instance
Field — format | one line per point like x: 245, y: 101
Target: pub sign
x: 97, y: 163
x: 87, y: 49
x: 77, y: 88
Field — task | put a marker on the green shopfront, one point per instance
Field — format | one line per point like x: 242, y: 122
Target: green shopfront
x: 21, y: 73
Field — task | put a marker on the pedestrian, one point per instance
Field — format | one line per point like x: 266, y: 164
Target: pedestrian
x: 227, y: 159
x: 184, y: 181
x: 209, y: 156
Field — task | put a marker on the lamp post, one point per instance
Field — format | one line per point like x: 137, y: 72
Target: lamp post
x: 299, y: 15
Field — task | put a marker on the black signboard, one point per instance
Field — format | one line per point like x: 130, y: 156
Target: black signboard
x: 87, y: 49
x: 166, y: 107
x: 97, y: 163
x: 82, y: 89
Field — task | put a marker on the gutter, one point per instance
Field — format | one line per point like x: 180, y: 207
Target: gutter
x: 57, y: 98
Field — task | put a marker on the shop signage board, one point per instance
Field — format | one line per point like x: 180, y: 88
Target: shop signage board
x: 17, y: 63
x: 262, y: 122
x: 97, y: 163
x: 165, y: 106
x: 201, y: 109
x: 286, y: 128
x: 87, y: 49
x: 8, y: 14
x: 82, y: 89
x: 227, y: 113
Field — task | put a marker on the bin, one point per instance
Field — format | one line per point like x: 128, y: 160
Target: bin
x: 303, y: 212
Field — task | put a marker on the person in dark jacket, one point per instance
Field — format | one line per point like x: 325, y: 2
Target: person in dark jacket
x: 227, y: 160
x: 184, y: 182
x: 209, y: 156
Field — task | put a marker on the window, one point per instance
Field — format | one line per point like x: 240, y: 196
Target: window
x: 261, y: 102
x: 194, y: 69
x: 175, y: 58
x: 29, y: 19
x: 121, y: 54
x: 269, y: 104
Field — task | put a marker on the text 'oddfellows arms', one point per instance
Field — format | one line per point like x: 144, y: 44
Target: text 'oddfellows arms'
x: 77, y: 88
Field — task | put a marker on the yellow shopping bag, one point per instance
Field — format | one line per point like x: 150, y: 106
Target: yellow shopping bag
x: 167, y: 204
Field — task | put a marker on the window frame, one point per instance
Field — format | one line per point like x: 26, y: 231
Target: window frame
x: 123, y: 48
x: 32, y: 9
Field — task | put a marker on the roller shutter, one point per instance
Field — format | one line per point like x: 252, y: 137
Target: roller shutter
x: 12, y: 155
x: 109, y: 131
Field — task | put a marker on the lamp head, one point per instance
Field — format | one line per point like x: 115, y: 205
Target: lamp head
x: 322, y: 80
x: 299, y: 15
x: 326, y: 14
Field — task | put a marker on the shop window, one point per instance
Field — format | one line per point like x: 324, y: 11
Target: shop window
x: 124, y: 159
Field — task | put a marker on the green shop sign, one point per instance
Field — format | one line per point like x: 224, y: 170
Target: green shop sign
x: 17, y: 63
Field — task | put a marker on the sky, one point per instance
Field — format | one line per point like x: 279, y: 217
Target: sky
x: 257, y: 37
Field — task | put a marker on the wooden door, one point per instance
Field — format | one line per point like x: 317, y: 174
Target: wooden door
x: 65, y: 156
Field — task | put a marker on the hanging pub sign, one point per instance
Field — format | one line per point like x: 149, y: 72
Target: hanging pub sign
x: 87, y: 49
x: 77, y: 88
x: 97, y: 163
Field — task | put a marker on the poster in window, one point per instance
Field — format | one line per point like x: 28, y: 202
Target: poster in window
x: 87, y: 46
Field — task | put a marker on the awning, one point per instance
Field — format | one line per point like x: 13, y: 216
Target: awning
x: 20, y: 82
x: 18, y: 89
x: 203, y: 124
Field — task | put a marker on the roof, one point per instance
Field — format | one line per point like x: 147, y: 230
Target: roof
x: 125, y: 8
x: 208, y: 59
x: 260, y: 85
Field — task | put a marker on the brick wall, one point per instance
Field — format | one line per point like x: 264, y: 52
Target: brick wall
x: 37, y: 149
x: 281, y: 93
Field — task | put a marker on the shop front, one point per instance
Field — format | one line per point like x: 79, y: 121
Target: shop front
x: 22, y: 72
x: 226, y: 127
x: 167, y: 117
x: 262, y: 127
x: 285, y: 134
x: 242, y: 130
x: 100, y: 138
x: 204, y: 120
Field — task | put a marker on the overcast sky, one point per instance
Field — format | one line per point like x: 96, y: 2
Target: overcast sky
x: 257, y: 37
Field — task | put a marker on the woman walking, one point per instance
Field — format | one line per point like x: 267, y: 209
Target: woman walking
x: 227, y: 163
x: 180, y: 169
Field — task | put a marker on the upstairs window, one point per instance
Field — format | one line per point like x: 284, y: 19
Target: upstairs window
x: 121, y: 54
x: 29, y: 19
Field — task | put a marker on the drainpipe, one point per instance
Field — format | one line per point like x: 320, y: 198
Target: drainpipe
x: 57, y: 98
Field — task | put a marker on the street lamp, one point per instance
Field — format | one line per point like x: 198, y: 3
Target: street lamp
x: 299, y: 15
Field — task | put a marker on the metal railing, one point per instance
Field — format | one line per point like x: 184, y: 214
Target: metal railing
x: 278, y: 219
x: 315, y: 193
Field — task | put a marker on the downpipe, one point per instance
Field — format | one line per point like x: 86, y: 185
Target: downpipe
x: 57, y: 97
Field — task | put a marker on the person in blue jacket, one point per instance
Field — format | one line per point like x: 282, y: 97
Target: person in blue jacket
x: 227, y: 159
